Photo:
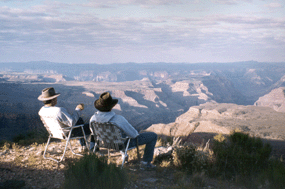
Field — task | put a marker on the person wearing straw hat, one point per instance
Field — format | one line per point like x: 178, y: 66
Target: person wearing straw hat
x: 49, y: 98
x: 104, y: 105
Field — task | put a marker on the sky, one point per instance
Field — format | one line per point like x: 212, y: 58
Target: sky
x: 120, y: 31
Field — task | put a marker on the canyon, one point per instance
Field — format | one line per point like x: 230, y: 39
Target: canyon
x: 170, y: 99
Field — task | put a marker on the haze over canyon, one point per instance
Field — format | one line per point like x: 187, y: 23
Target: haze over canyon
x: 152, y: 95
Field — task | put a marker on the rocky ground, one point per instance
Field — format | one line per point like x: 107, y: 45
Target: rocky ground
x: 25, y: 167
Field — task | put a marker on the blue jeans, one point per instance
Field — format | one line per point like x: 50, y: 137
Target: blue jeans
x: 149, y: 139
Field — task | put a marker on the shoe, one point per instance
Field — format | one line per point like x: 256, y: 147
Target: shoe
x: 147, y: 165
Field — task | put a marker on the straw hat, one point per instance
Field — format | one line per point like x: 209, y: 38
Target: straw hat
x: 48, y: 94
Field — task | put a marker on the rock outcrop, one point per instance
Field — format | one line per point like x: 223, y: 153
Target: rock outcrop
x: 275, y: 100
x: 30, y: 78
x: 224, y: 118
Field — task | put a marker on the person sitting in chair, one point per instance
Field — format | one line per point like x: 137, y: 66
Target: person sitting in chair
x: 60, y: 114
x: 104, y: 104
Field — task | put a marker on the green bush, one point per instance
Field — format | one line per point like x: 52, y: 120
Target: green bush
x: 93, y: 172
x: 12, y: 184
x: 39, y: 136
x: 274, y: 174
x: 189, y: 159
x: 184, y: 157
x: 241, y: 155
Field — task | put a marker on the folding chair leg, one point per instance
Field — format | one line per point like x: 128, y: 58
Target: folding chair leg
x: 44, y: 155
x: 71, y: 149
x: 86, y: 142
x: 108, y: 155
x: 46, y: 148
x: 96, y: 144
x: 87, y: 145
x: 65, y: 148
x: 125, y: 154
x: 63, y: 153
x: 68, y: 141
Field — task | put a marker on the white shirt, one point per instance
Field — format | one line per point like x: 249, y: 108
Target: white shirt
x: 60, y: 115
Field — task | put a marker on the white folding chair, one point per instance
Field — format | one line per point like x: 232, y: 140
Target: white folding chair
x: 110, y: 136
x: 56, y: 131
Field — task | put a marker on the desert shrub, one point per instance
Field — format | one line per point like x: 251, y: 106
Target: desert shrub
x: 184, y: 156
x: 220, y: 137
x: 165, y: 159
x: 164, y: 140
x: 12, y: 184
x: 93, y: 172
x: 39, y: 136
x: 186, y: 181
x: 5, y: 144
x: 189, y: 159
x: 240, y: 155
x: 160, y: 142
x: 274, y: 174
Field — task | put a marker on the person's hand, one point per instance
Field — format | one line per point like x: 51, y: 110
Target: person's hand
x: 80, y: 106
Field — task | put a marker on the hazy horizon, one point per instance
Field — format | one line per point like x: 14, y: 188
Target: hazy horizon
x: 122, y: 31
x: 234, y: 62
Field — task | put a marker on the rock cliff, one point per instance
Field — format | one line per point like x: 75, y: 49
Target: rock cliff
x: 275, y: 99
x: 223, y: 118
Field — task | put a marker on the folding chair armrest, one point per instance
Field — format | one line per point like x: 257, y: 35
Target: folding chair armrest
x: 75, y: 126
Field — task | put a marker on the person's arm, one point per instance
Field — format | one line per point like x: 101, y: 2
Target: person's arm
x: 125, y: 126
x: 65, y: 118
x: 91, y: 119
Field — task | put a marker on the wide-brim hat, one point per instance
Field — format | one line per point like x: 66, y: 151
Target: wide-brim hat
x: 48, y: 94
x: 105, y: 102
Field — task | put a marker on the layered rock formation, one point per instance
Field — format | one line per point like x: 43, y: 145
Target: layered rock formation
x: 148, y: 93
x: 27, y: 77
x: 224, y: 118
x: 275, y: 100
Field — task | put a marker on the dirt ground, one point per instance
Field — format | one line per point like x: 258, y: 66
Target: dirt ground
x: 25, y: 167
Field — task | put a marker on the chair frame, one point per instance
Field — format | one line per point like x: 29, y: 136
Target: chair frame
x: 100, y: 133
x: 62, y: 136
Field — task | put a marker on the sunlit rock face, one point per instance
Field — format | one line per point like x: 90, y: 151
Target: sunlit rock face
x: 224, y: 118
x: 275, y: 99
